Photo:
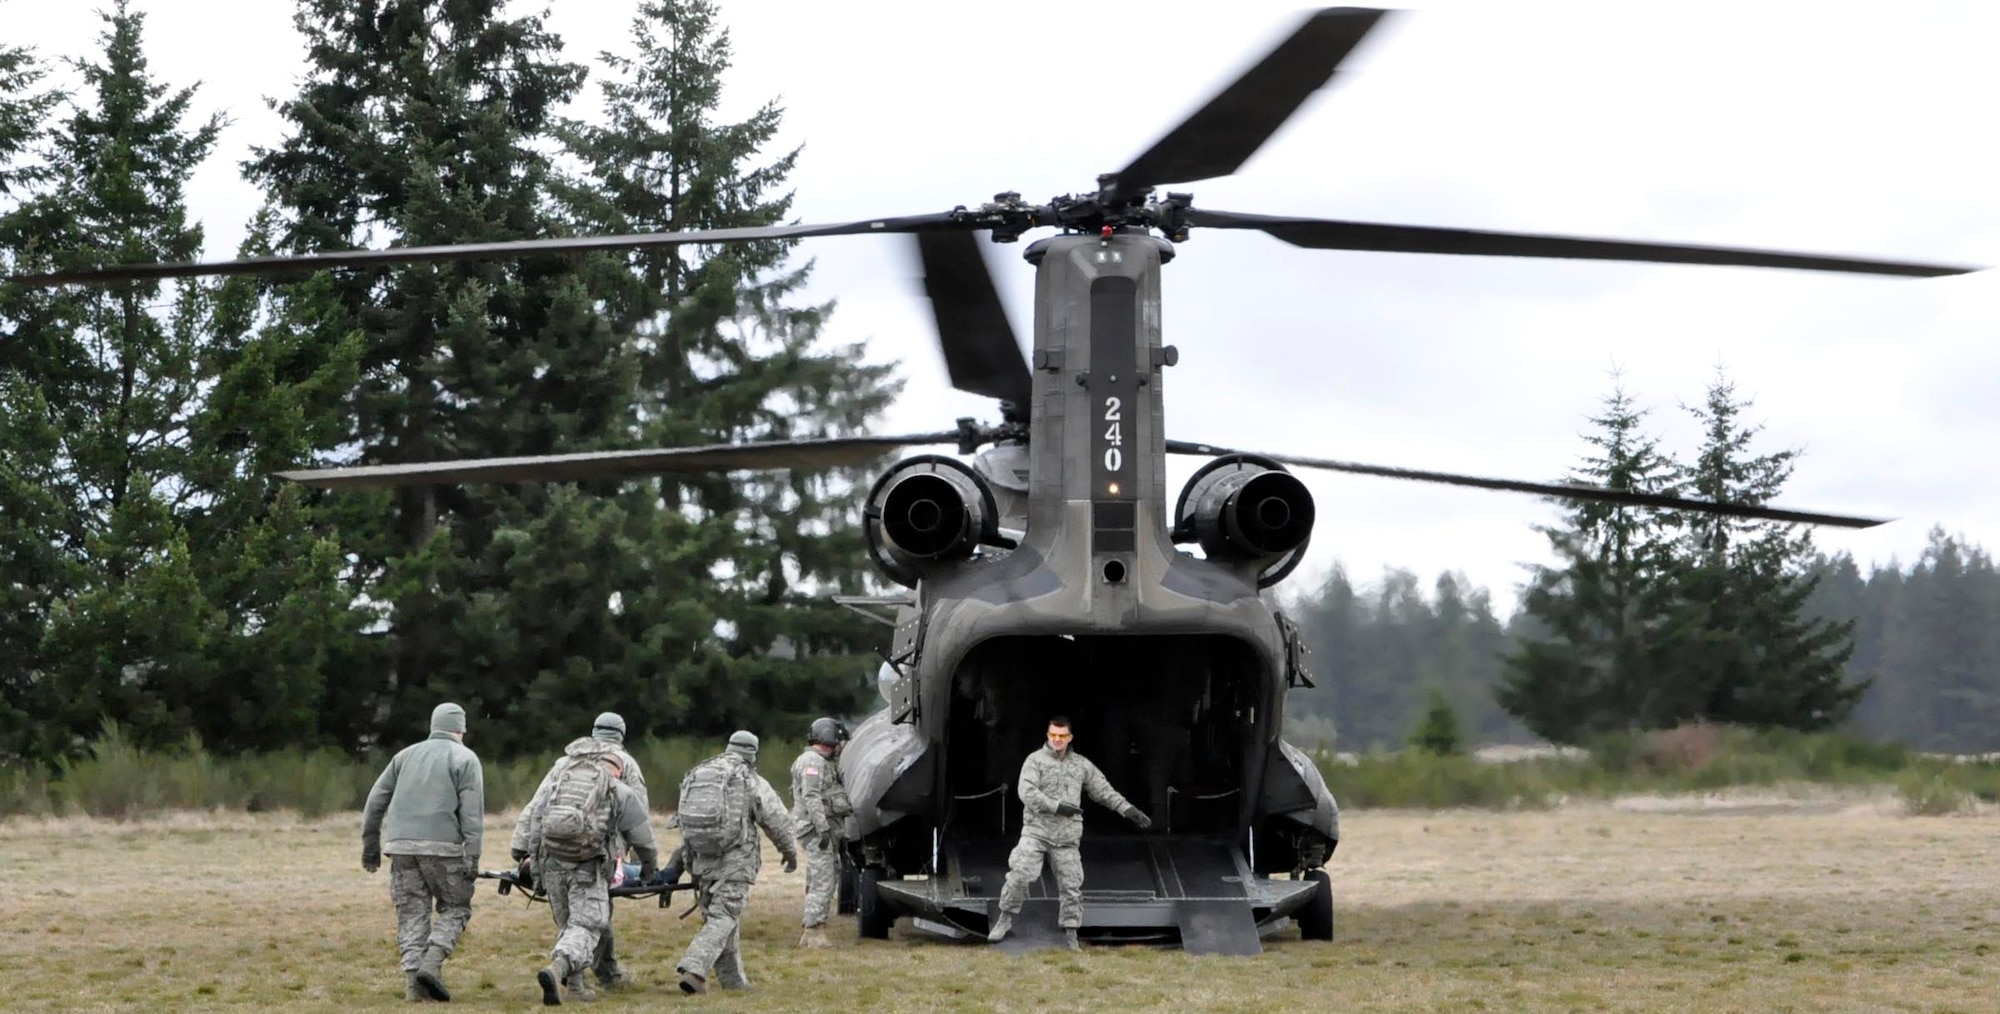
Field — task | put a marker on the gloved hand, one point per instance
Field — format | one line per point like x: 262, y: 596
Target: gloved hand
x: 791, y: 862
x: 1067, y: 809
x: 524, y: 872
x: 472, y: 868
x: 1138, y: 816
x: 520, y: 855
x: 371, y: 861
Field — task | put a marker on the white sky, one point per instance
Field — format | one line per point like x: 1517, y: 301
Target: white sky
x: 1827, y: 128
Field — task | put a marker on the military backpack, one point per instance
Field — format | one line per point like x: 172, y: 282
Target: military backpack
x: 576, y: 824
x: 714, y: 809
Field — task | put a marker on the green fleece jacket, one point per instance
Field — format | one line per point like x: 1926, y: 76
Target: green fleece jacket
x: 433, y: 795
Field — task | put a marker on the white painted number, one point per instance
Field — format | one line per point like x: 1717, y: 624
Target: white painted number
x: 1114, y: 434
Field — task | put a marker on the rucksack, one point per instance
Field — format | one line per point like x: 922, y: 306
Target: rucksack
x: 714, y: 807
x: 576, y: 823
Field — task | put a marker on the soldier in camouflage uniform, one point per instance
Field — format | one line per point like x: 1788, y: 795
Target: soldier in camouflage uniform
x: 579, y: 888
x: 1054, y: 781
x: 820, y: 809
x: 432, y: 800
x: 607, y: 737
x: 723, y: 881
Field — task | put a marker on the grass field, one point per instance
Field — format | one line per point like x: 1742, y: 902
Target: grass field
x: 1808, y: 902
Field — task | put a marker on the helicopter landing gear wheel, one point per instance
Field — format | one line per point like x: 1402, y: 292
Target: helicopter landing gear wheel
x: 1316, y: 918
x: 873, y: 917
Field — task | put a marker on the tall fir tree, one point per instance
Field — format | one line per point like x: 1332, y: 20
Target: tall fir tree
x: 28, y: 507
x: 99, y: 414
x: 431, y: 121
x: 1596, y: 666
x: 1741, y: 648
x: 726, y: 355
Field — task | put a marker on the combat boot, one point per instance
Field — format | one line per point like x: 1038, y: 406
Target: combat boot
x: 814, y: 936
x: 616, y: 979
x: 1000, y: 928
x: 1070, y: 936
x: 551, y: 980
x: 413, y: 992
x: 692, y: 982
x: 430, y: 974
x: 577, y: 987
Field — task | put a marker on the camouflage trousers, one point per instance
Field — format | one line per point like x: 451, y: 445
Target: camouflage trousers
x: 416, y: 883
x: 822, y: 880
x: 1024, y: 867
x: 580, y: 901
x: 720, y: 942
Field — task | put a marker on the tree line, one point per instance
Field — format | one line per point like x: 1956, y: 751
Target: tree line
x: 154, y: 573
x: 1651, y: 619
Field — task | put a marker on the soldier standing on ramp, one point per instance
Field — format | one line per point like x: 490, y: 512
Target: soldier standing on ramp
x: 570, y: 831
x: 607, y: 737
x: 820, y: 809
x: 723, y: 802
x: 1053, y: 781
x: 432, y: 798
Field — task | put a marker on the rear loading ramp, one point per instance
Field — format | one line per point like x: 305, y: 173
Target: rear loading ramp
x: 1197, y: 891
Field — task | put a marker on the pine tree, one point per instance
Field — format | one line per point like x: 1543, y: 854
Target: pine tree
x: 1741, y: 649
x: 724, y: 356
x: 28, y: 506
x: 101, y: 424
x: 1438, y: 731
x: 1595, y: 669
x: 431, y: 121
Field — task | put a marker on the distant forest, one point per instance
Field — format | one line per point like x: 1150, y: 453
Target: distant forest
x: 1926, y: 645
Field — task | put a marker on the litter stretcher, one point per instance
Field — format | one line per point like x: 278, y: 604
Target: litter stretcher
x: 625, y: 883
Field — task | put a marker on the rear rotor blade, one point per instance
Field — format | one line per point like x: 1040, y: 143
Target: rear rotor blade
x: 836, y: 452
x: 1334, y: 234
x: 1566, y: 491
x: 1220, y: 136
x: 980, y: 350
x: 482, y: 251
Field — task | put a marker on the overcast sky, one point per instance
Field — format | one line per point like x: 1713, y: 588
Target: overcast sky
x: 1823, y: 128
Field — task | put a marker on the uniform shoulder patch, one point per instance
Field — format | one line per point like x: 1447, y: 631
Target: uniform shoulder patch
x: 812, y: 770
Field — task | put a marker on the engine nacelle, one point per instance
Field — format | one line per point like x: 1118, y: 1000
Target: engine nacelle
x: 1248, y: 508
x: 925, y: 509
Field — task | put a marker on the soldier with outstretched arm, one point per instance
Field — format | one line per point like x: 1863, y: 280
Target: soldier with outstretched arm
x: 1054, y: 780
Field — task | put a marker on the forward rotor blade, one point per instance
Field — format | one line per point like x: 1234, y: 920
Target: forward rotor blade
x: 1333, y: 234
x: 1564, y: 490
x: 1220, y: 136
x: 834, y: 452
x: 482, y: 251
x: 980, y: 350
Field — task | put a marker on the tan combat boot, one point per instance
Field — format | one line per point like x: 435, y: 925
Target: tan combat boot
x: 413, y: 992
x: 551, y: 980
x: 815, y: 937
x: 577, y: 988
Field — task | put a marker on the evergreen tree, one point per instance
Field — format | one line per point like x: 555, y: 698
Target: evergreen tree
x: 1741, y: 648
x: 102, y: 422
x: 1596, y: 666
x: 28, y: 505
x: 431, y: 121
x: 1438, y: 732
x: 725, y: 357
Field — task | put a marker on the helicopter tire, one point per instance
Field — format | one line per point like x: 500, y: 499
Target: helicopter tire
x: 873, y: 918
x: 1316, y: 918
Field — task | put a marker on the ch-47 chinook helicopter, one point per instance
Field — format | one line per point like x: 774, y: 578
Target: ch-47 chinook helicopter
x: 1048, y: 576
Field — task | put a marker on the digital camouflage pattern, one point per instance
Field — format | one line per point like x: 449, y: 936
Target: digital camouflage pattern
x: 605, y: 963
x: 724, y: 883
x: 1050, y: 780
x: 417, y: 884
x: 820, y: 809
x: 580, y: 902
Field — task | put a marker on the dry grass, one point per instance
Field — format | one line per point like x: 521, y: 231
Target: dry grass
x: 1771, y: 904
